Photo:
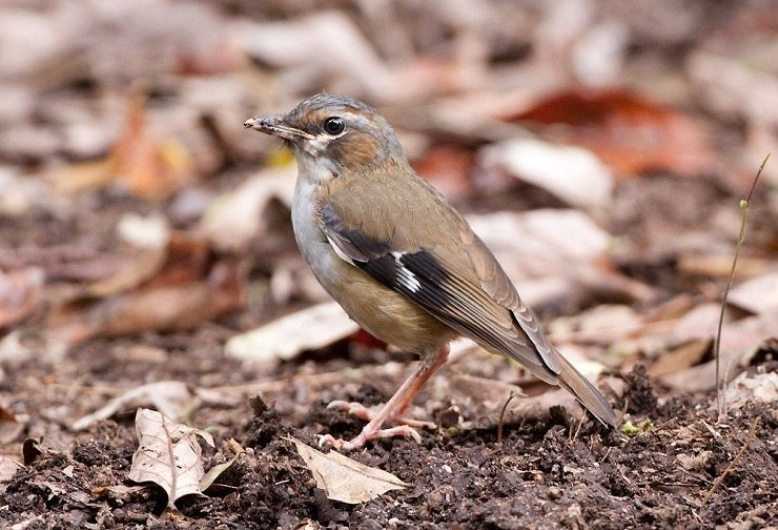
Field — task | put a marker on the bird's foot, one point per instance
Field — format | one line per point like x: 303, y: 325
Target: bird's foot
x: 369, y: 414
x: 367, y: 435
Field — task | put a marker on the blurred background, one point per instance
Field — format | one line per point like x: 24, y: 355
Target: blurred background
x: 599, y: 147
x: 630, y: 127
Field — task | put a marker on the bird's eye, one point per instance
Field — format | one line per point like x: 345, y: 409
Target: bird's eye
x: 334, y: 126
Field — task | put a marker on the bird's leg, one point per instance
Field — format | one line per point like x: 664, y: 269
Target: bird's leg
x: 363, y: 412
x: 395, y: 407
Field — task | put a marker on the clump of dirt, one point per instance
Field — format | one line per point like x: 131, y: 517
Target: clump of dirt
x: 639, y: 396
x: 264, y: 427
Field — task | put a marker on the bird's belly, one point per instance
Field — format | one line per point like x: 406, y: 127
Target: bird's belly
x: 382, y: 312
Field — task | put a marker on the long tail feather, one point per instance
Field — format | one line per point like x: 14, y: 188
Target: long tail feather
x: 586, y: 393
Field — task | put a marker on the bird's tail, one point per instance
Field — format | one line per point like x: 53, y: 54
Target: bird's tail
x: 586, y: 393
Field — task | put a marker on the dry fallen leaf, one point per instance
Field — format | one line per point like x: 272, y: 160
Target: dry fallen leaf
x: 603, y: 324
x: 679, y: 358
x: 573, y: 174
x: 131, y: 273
x: 168, y: 455
x: 328, y: 41
x: 152, y: 231
x: 20, y: 294
x: 175, y: 258
x: 757, y: 295
x: 545, y: 242
x: 479, y: 397
x: 234, y: 218
x: 8, y: 468
x: 283, y: 339
x: 145, y: 165
x: 171, y: 398
x: 628, y: 132
x: 166, y: 307
x: 758, y: 388
x: 448, y: 168
x: 555, y: 255
x: 215, y: 472
x: 739, y: 341
x: 10, y: 426
x: 344, y: 479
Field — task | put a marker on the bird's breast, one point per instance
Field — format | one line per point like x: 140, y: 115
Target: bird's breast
x: 381, y: 311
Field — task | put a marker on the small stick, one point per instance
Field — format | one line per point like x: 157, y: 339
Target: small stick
x: 720, y: 478
x: 502, y: 417
x: 744, y: 204
x: 580, y: 424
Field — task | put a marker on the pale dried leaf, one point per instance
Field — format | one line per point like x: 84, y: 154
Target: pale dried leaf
x: 680, y: 358
x: 757, y: 295
x: 602, y: 324
x: 132, y: 273
x: 23, y: 344
x: 23, y: 525
x: 739, y: 341
x: 171, y: 398
x: 758, y: 388
x: 573, y: 174
x: 693, y: 462
x: 20, y: 294
x: 10, y: 426
x: 168, y: 455
x: 544, y: 242
x: 215, y: 472
x: 328, y: 41
x: 582, y: 362
x: 283, y: 339
x: 478, y: 396
x: 720, y: 266
x: 235, y: 217
x: 344, y: 479
x: 8, y: 468
x: 151, y: 231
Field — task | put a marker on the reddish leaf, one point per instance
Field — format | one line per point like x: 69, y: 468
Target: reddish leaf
x: 145, y: 165
x: 154, y: 307
x: 628, y: 132
x: 448, y: 168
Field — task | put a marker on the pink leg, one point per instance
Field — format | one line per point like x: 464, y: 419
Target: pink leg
x: 367, y: 414
x: 395, y: 407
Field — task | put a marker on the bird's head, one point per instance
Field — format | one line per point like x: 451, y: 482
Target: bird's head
x: 335, y: 133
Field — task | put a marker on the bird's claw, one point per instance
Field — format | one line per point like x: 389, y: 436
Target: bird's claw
x: 327, y: 440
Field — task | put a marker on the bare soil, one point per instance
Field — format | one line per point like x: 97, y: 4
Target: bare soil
x: 684, y: 471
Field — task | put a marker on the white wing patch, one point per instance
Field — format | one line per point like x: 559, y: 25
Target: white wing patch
x: 405, y: 277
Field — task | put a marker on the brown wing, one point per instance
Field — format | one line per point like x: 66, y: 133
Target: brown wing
x: 444, y: 283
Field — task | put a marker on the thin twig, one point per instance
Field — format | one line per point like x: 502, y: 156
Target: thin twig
x: 502, y: 417
x: 720, y: 478
x: 578, y: 430
x: 744, y: 204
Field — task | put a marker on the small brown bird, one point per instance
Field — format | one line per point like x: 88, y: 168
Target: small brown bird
x: 400, y: 260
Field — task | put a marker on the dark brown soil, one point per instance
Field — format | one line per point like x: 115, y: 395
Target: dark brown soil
x: 556, y: 473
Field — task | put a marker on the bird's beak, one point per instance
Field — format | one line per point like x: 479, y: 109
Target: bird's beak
x: 276, y: 126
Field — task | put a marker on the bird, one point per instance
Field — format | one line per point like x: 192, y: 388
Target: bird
x: 401, y: 261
